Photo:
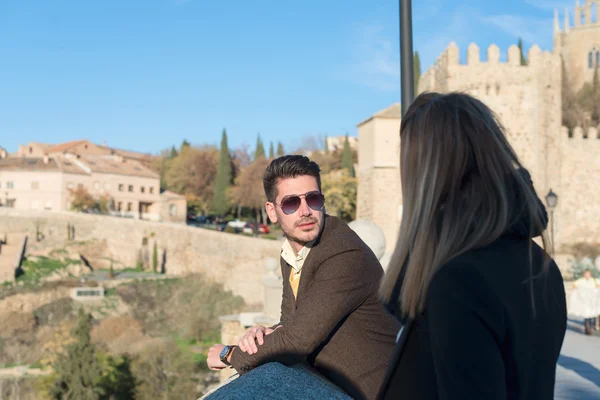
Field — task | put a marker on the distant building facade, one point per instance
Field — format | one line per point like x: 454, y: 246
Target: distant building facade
x: 43, y: 177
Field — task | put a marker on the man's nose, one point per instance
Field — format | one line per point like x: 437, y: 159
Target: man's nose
x: 304, y: 209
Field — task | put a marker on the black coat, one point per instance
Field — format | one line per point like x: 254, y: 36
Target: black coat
x: 478, y: 338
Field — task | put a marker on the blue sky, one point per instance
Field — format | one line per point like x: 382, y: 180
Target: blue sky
x: 146, y: 74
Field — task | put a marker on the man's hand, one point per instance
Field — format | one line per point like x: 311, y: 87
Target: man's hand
x: 247, y: 343
x: 214, y: 358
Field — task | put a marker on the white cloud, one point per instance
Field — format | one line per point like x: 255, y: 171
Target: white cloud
x: 376, y: 56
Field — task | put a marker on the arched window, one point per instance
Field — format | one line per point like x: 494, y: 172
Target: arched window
x: 593, y: 13
x: 590, y: 60
x: 172, y: 210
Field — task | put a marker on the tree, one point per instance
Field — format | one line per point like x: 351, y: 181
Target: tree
x: 193, y: 173
x: 77, y: 370
x: 260, y: 149
x: 83, y: 201
x: 523, y: 59
x: 154, y: 258
x: 326, y: 150
x: 174, y: 152
x: 280, y: 151
x: 223, y: 180
x: 347, y: 158
x: 340, y: 191
x: 271, y: 152
x: 185, y: 145
x: 248, y: 190
x: 417, y: 70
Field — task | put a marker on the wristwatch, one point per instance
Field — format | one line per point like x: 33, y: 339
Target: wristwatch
x: 225, y: 353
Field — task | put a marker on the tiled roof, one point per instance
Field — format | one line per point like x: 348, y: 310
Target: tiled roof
x: 37, y: 164
x: 393, y: 111
x: 59, y: 148
x: 112, y: 166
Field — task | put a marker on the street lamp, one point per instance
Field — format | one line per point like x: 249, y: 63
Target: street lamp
x: 551, y: 200
x: 407, y: 83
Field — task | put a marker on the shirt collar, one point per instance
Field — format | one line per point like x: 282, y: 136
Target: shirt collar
x: 296, y: 261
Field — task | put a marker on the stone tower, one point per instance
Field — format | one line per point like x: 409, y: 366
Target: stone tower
x: 579, y: 43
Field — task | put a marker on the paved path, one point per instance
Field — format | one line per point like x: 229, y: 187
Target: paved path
x: 578, y: 370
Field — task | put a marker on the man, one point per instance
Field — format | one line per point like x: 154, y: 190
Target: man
x: 331, y: 315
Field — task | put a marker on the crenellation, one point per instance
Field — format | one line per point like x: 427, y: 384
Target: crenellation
x: 534, y: 56
x: 514, y: 55
x: 578, y: 132
x: 493, y: 54
x: 453, y: 54
x: 592, y: 133
x: 473, y: 57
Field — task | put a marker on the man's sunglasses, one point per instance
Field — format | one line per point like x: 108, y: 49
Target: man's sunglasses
x: 289, y: 204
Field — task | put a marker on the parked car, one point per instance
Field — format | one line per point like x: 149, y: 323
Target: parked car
x: 262, y: 228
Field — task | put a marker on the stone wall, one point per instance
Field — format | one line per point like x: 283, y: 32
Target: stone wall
x: 235, y: 260
x: 578, y: 211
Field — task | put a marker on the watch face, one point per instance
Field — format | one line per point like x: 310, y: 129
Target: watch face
x: 224, y: 351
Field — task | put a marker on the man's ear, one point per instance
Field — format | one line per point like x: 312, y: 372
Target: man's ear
x: 270, y: 207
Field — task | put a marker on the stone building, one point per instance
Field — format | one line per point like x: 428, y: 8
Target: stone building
x: 42, y: 177
x: 579, y: 44
x: 527, y: 100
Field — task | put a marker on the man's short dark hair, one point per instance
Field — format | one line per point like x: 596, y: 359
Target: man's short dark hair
x: 290, y: 166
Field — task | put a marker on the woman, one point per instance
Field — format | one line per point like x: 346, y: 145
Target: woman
x: 483, y: 305
x: 585, y: 300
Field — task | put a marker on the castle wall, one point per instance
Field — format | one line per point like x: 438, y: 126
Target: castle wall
x: 577, y: 214
x: 236, y: 261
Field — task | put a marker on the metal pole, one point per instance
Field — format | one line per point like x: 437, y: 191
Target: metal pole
x: 407, y: 87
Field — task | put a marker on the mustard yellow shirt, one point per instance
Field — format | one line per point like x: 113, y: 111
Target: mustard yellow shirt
x: 296, y: 261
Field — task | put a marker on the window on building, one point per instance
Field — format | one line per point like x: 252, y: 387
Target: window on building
x: 107, y: 186
x: 48, y: 205
x: 35, y: 185
x: 172, y: 210
x: 151, y: 190
x: 10, y: 203
x: 130, y: 188
x: 121, y: 187
x: 30, y: 149
x: 120, y: 206
x: 590, y: 60
x: 10, y: 185
x: 80, y: 186
x: 129, y: 206
x: 143, y: 189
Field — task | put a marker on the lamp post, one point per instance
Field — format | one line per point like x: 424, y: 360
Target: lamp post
x: 551, y: 200
x: 407, y: 83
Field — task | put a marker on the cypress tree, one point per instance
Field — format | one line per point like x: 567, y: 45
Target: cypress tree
x: 280, y: 151
x: 326, y: 146
x: 78, y: 372
x: 347, y: 159
x: 260, y: 149
x: 523, y: 60
x: 223, y: 179
x: 271, y: 151
x: 417, y: 70
x: 154, y: 258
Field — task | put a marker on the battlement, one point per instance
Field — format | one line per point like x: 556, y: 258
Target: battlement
x: 584, y: 16
x: 592, y: 133
x: 451, y: 57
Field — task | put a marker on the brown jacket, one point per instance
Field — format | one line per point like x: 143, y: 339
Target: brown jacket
x: 337, y: 323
